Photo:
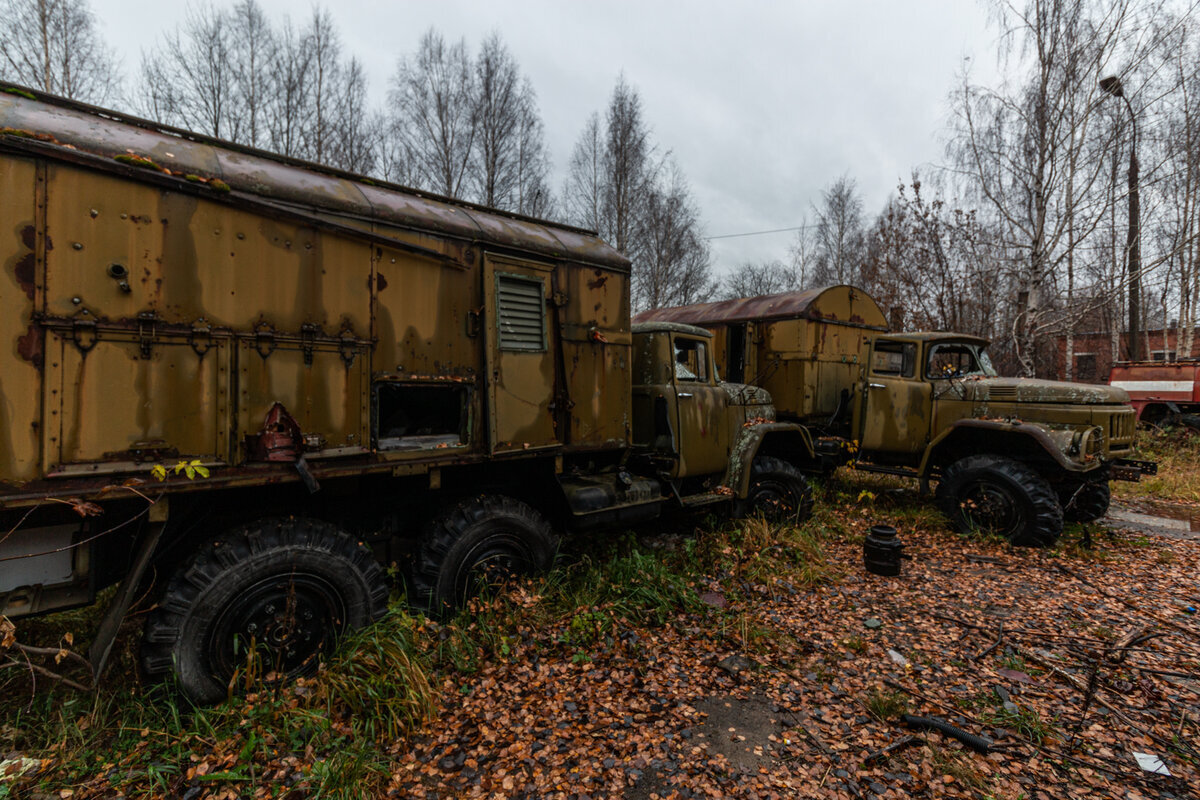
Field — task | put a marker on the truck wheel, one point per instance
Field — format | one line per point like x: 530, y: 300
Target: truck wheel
x: 998, y: 495
x: 1085, y: 502
x: 284, y: 587
x: 484, y: 540
x: 1190, y: 420
x: 778, y: 491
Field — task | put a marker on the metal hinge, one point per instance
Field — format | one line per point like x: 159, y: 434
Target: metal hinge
x: 308, y: 341
x: 264, y: 339
x: 83, y: 333
x: 146, y: 320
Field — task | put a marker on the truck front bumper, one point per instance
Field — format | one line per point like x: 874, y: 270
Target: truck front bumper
x: 1127, y: 469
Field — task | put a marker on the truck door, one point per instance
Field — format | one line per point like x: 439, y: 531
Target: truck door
x: 703, y: 438
x: 896, y: 404
x: 520, y: 355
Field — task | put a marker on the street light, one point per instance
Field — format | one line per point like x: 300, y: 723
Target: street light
x: 1112, y: 85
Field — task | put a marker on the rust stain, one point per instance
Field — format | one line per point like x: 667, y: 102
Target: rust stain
x: 31, y: 346
x: 598, y: 282
x: 380, y: 282
x: 29, y: 236
x: 25, y: 271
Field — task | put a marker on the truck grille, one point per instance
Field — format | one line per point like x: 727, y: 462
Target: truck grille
x: 1120, y: 430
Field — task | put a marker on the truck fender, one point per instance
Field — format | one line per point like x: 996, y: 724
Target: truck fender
x: 787, y: 440
x: 1014, y: 437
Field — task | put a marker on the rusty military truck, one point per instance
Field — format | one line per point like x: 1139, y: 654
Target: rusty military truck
x: 244, y: 384
x: 1012, y: 456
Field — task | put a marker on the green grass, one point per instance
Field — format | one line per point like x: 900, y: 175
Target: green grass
x: 884, y: 705
x: 1177, y: 451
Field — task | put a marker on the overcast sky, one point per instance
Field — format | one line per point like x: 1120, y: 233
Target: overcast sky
x: 763, y: 104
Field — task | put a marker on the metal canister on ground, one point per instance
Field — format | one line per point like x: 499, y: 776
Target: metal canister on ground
x: 882, y: 551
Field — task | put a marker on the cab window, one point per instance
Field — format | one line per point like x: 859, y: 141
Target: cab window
x: 691, y: 360
x: 951, y: 361
x: 893, y: 359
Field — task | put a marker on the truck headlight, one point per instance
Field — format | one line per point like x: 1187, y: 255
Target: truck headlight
x: 1091, y: 443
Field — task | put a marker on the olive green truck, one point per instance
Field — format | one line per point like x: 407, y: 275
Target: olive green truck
x: 1012, y: 456
x: 241, y: 386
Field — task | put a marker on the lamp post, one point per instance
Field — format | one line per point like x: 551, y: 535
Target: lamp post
x: 1112, y: 85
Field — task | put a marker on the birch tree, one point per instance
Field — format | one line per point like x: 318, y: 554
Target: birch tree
x: 53, y: 46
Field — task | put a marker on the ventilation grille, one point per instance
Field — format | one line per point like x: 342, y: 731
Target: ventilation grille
x: 1002, y: 392
x: 522, y: 314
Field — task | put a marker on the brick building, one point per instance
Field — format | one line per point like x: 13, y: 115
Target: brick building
x: 1094, y: 356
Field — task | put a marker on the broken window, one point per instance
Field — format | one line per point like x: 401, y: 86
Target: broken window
x: 952, y: 361
x: 420, y: 416
x: 691, y: 360
x: 896, y: 359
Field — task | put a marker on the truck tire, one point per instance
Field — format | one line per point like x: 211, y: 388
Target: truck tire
x: 999, y: 495
x: 489, y: 538
x: 778, y: 491
x: 290, y: 585
x: 1085, y: 502
x: 1190, y: 421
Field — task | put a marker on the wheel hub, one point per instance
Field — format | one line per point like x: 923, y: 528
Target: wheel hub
x: 285, y: 620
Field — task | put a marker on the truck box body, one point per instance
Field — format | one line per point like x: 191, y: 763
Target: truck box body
x: 804, y: 348
x: 161, y: 293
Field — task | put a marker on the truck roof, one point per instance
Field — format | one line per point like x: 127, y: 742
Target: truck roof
x: 100, y: 138
x: 841, y: 304
x: 931, y: 336
x: 670, y: 327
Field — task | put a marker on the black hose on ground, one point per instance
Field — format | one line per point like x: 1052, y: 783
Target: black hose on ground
x: 980, y: 744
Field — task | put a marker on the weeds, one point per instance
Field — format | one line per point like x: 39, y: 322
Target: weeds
x: 883, y: 705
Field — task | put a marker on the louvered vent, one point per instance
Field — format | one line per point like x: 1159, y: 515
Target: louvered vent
x: 1002, y: 392
x: 522, y: 314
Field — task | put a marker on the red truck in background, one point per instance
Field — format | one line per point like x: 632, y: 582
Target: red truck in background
x: 1163, y: 392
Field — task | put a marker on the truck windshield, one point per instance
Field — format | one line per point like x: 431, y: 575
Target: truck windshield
x: 956, y: 360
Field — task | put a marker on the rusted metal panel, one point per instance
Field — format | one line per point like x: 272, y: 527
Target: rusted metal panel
x: 22, y: 353
x: 120, y: 403
x: 169, y: 317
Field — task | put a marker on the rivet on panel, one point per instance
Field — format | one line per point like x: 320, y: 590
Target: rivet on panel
x: 77, y: 300
x: 94, y: 213
x: 77, y: 245
x: 241, y: 236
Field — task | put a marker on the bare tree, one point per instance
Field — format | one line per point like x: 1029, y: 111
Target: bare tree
x: 584, y: 188
x: 53, y: 45
x: 357, y: 133
x: 674, y: 264
x: 755, y: 279
x: 324, y: 84
x: 190, y: 80
x: 251, y: 52
x: 839, y: 234
x: 933, y: 266
x: 434, y: 115
x: 1031, y: 151
x: 627, y: 166
x: 533, y: 193
x: 499, y: 104
x: 288, y: 112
